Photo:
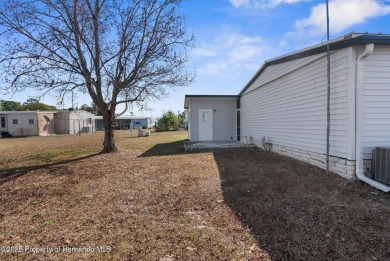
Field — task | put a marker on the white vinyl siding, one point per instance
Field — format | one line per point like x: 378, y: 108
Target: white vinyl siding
x: 273, y: 72
x: 376, y: 110
x: 289, y: 107
x: 224, y: 117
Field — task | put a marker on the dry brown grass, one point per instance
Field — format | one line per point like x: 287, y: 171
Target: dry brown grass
x: 153, y: 201
x: 147, y: 202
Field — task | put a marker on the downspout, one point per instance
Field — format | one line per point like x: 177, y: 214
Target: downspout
x: 359, y: 121
x: 328, y: 91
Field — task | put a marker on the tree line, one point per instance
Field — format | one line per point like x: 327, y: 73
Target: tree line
x: 35, y: 105
x: 30, y: 105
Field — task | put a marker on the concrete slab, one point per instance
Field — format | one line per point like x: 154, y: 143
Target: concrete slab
x: 210, y: 145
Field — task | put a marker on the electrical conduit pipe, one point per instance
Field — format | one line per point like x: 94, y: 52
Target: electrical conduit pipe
x: 359, y: 121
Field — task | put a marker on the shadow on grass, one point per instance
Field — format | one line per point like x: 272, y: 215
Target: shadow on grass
x: 15, y: 138
x: 165, y: 149
x: 296, y: 212
x: 14, y: 173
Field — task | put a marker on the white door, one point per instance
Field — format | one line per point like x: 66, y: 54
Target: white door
x: 205, y: 124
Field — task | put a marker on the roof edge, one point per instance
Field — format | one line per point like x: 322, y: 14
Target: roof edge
x: 189, y: 96
x: 335, y: 44
x: 126, y: 117
x: 21, y: 112
x: 210, y: 96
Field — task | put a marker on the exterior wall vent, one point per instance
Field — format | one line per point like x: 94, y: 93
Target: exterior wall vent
x: 381, y: 164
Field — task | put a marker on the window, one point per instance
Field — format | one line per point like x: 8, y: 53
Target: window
x: 15, y: 121
x: 30, y: 121
x: 89, y: 120
x: 205, y: 116
x: 2, y: 122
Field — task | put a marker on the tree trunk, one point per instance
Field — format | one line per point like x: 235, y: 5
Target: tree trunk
x: 109, y: 143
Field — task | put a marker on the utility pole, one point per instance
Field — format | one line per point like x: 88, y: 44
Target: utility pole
x: 328, y: 97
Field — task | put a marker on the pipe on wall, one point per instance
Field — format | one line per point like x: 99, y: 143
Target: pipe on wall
x: 359, y: 121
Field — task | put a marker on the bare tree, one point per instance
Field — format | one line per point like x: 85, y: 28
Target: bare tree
x: 117, y: 51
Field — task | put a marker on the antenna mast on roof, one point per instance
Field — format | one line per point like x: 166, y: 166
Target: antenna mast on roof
x: 328, y: 98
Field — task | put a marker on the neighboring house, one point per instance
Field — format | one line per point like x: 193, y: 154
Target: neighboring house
x: 142, y: 122
x: 74, y: 122
x: 43, y: 123
x: 27, y: 123
x: 125, y: 122
x: 284, y: 105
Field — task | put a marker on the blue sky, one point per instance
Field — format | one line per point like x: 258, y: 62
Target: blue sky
x: 235, y: 37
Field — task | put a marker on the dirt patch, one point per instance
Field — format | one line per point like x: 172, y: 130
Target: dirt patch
x: 297, y: 212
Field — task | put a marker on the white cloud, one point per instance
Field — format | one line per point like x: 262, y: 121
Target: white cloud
x: 230, y: 54
x: 282, y: 43
x: 343, y: 14
x: 203, y: 52
x: 261, y: 4
x: 239, y: 3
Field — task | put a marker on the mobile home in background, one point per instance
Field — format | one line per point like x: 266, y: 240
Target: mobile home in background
x: 43, y: 123
x: 127, y: 122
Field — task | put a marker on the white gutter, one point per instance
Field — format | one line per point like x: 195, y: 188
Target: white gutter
x: 359, y: 121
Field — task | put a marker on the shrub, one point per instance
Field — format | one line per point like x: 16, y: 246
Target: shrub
x: 168, y: 121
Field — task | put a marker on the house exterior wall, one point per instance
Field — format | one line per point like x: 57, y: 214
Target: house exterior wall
x: 291, y: 109
x: 343, y: 167
x: 124, y: 123
x: 287, y: 104
x: 61, y: 123
x: 376, y: 97
x: 23, y: 127
x: 144, y: 123
x: 99, y: 124
x: 46, y: 123
x: 81, y: 122
x: 74, y: 122
x: 224, y: 117
x: 272, y: 73
x: 33, y: 123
